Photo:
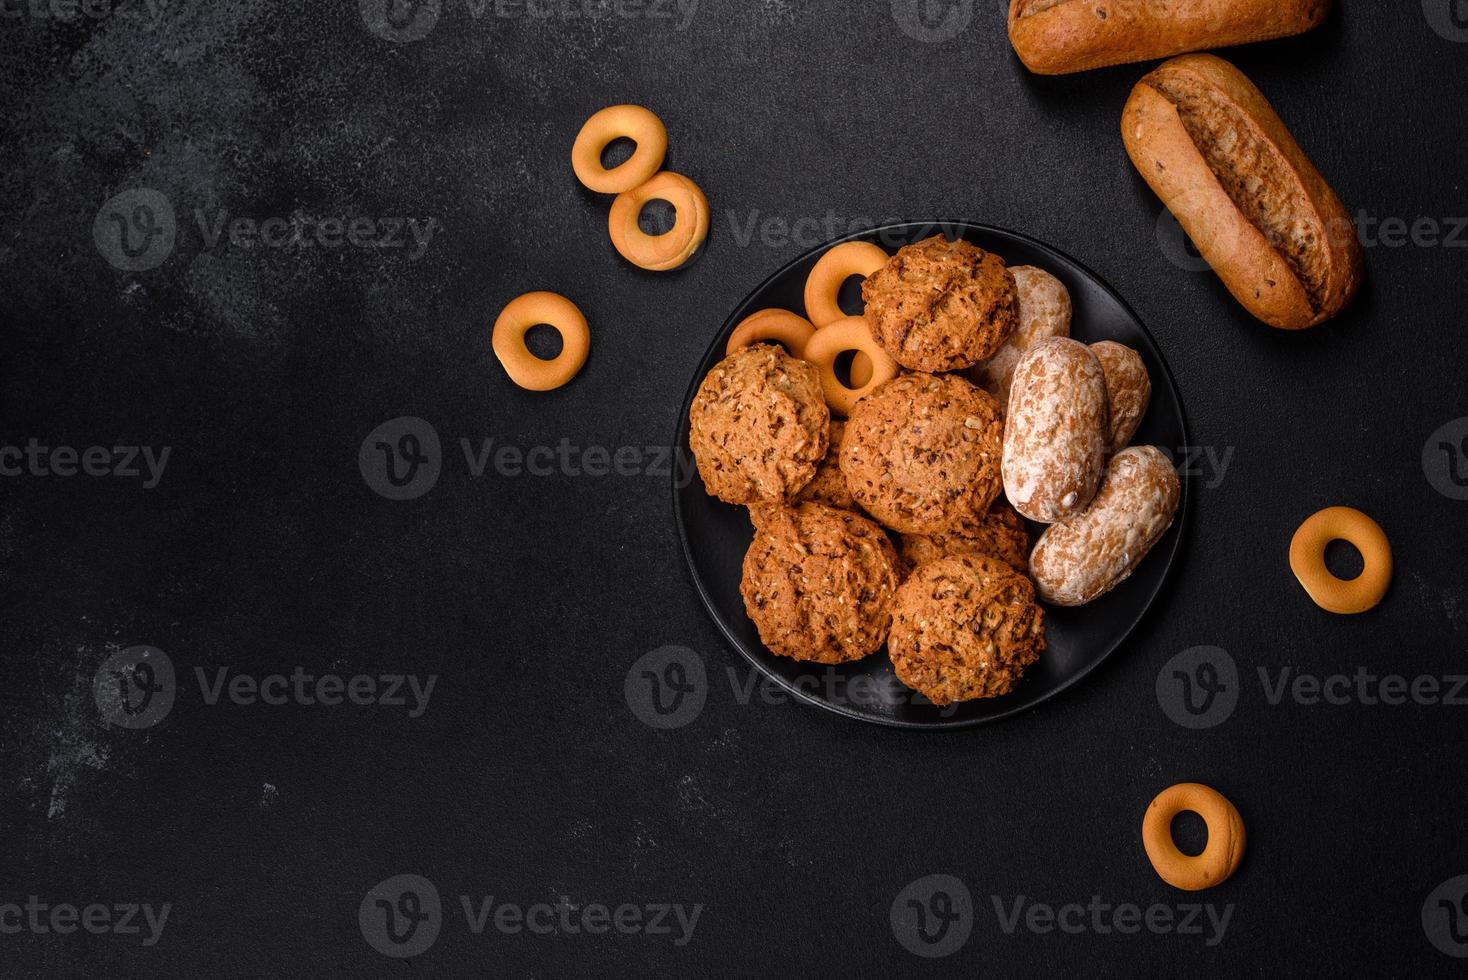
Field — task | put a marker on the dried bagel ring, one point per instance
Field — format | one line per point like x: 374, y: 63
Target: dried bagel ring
x: 789, y: 330
x: 1225, y: 848
x: 1307, y: 560
x: 833, y: 340
x: 660, y: 253
x: 631, y: 122
x: 523, y: 367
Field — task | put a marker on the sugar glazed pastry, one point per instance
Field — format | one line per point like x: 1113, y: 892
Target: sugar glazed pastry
x: 1054, y: 37
x: 965, y: 627
x: 1212, y: 148
x: 758, y: 426
x: 1128, y: 391
x: 921, y: 453
x: 1088, y: 555
x: 1044, y: 312
x: 941, y: 306
x: 998, y: 534
x: 819, y: 582
x: 1055, y: 430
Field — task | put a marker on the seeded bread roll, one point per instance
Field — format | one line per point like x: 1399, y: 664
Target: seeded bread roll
x: 1055, y: 37
x: 1215, y: 152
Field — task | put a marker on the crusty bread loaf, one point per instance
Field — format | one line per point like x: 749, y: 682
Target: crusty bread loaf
x: 1215, y: 152
x: 1055, y: 37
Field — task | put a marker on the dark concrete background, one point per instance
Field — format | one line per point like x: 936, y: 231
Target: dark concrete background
x: 262, y: 548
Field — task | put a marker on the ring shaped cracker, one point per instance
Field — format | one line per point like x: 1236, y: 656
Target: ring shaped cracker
x: 1307, y: 560
x: 523, y: 367
x: 1225, y: 848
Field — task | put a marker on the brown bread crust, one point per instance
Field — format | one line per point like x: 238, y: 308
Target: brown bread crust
x: 1056, y: 37
x: 1212, y: 148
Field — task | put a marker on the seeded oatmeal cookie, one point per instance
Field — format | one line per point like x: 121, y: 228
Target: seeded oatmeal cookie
x: 818, y: 582
x: 758, y: 426
x: 922, y: 452
x: 965, y: 627
x: 941, y: 306
x: 829, y: 485
x: 998, y: 534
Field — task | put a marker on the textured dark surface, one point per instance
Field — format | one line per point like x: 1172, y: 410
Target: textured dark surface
x: 528, y: 778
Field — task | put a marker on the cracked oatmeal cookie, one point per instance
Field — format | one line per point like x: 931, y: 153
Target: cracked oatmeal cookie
x: 965, y: 627
x: 818, y: 582
x: 758, y: 426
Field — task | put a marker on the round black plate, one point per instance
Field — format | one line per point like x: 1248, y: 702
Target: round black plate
x: 716, y: 535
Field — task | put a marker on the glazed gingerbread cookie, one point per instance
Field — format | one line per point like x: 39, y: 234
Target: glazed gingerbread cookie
x: 965, y: 627
x: 758, y: 426
x: 922, y: 453
x: 818, y: 582
x: 941, y: 306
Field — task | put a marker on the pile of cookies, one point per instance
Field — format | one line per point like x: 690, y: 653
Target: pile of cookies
x: 967, y: 408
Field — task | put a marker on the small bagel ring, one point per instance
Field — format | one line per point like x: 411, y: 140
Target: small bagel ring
x: 1225, y: 849
x: 834, y: 339
x: 676, y: 246
x: 524, y: 368
x: 1307, y: 560
x: 790, y: 330
x: 831, y: 271
x: 631, y: 122
x: 823, y: 286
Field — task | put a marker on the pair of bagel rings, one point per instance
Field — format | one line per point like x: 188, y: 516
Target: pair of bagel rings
x: 637, y: 182
x: 821, y: 346
x: 823, y: 287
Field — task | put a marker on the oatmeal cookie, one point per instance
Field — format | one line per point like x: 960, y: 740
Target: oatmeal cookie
x: 941, y: 306
x: 818, y: 582
x: 998, y: 534
x: 758, y: 426
x: 922, y: 453
x: 965, y: 627
x: 829, y: 484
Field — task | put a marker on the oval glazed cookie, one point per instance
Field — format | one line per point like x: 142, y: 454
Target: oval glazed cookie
x: 921, y: 453
x: 941, y: 306
x: 1128, y: 391
x: 1044, y: 311
x: 1055, y: 430
x: 758, y: 426
x: 818, y: 582
x: 1089, y: 554
x: 965, y: 627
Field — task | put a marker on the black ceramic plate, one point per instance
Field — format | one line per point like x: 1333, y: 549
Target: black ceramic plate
x: 716, y: 535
